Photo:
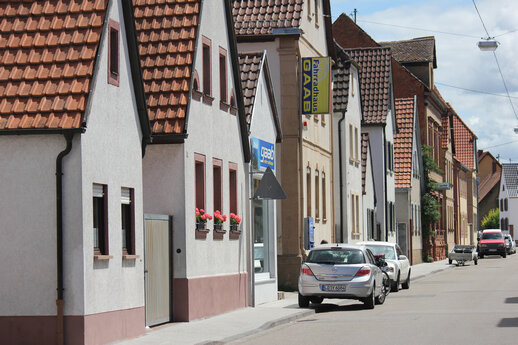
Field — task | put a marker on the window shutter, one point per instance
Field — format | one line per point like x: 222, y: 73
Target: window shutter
x: 125, y: 196
x: 98, y: 191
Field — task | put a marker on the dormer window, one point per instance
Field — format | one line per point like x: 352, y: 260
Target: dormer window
x: 113, y: 53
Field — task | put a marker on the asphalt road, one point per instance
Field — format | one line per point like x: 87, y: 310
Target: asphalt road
x: 464, y: 305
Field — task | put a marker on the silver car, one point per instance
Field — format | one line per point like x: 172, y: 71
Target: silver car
x: 341, y: 271
x: 398, y: 264
x: 510, y: 244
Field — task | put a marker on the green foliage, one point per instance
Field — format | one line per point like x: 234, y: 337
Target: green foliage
x: 491, y: 220
x: 429, y: 206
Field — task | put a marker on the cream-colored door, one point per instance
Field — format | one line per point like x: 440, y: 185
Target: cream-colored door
x: 157, y: 271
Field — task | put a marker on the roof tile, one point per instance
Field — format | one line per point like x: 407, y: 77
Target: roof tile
x: 421, y: 49
x: 250, y: 65
x: 464, y: 141
x: 403, y: 141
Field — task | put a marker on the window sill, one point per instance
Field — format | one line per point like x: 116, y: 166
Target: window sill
x: 317, y: 220
x: 130, y: 257
x: 233, y: 110
x: 196, y: 95
x: 224, y: 106
x: 102, y: 257
x: 207, y: 99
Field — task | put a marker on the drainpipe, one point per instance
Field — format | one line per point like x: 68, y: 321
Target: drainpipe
x: 340, y: 176
x: 59, y: 238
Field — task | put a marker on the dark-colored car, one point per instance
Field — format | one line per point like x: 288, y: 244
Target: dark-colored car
x: 492, y: 243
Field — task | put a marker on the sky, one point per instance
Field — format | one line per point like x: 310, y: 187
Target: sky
x: 457, y: 29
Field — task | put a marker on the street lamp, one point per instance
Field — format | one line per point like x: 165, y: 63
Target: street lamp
x: 488, y: 44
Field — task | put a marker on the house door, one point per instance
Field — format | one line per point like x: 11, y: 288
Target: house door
x: 403, y: 238
x: 158, y: 271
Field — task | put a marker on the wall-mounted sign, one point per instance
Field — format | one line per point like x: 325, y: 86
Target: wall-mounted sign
x: 263, y: 154
x: 316, y: 80
x: 442, y: 186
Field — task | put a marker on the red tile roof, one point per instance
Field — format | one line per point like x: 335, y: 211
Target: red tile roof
x: 365, y: 157
x: 250, y: 65
x: 260, y: 17
x: 341, y: 74
x: 166, y: 35
x: 403, y: 141
x: 487, y: 184
x: 463, y: 139
x: 375, y: 82
x: 47, y: 56
x: 421, y: 49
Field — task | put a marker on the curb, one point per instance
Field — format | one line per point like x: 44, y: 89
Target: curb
x: 431, y: 272
x: 264, y: 327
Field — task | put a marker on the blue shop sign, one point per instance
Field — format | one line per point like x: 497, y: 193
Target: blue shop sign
x: 263, y: 154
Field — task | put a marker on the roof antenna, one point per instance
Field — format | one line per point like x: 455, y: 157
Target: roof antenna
x: 355, y: 11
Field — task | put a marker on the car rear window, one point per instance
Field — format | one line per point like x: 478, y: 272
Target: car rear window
x: 388, y: 251
x: 492, y: 236
x: 336, y: 256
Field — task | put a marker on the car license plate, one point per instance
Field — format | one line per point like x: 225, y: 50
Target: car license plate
x: 333, y: 287
x: 492, y: 250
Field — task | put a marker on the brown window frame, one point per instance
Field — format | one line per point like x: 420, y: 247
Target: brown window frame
x: 223, y: 78
x: 217, y: 178
x: 324, y: 197
x: 317, y: 194
x: 199, y: 181
x: 232, y: 188
x: 100, y: 208
x: 207, y: 65
x: 308, y: 191
x: 128, y: 217
x: 113, y: 52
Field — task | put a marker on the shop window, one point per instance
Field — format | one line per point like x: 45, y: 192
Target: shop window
x: 100, y: 219
x: 199, y: 180
x: 232, y: 187
x: 113, y: 52
x: 128, y: 221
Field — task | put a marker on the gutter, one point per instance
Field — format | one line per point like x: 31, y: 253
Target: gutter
x: 59, y: 238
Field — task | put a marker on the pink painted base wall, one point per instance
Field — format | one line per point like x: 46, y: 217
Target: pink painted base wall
x: 92, y: 329
x: 196, y: 298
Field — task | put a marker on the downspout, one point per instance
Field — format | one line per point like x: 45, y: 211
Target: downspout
x: 59, y: 238
x: 340, y: 176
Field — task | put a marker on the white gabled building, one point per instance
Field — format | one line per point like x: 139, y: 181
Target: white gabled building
x: 347, y: 155
x: 508, y: 198
x: 72, y: 133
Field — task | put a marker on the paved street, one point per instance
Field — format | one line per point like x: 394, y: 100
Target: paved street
x: 464, y: 305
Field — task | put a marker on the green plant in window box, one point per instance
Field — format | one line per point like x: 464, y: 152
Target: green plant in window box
x: 235, y: 220
x: 201, y: 219
x: 218, y: 221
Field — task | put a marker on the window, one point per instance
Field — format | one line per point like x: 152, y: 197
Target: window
x: 128, y: 221
x: 113, y: 52
x: 356, y: 152
x: 217, y: 184
x: 353, y: 215
x: 207, y: 83
x: 100, y: 219
x: 357, y: 215
x: 324, y: 197
x: 309, y: 9
x: 505, y: 204
x: 502, y: 223
x: 223, y: 75
x: 232, y: 174
x: 351, y: 143
x: 317, y: 195
x: 308, y: 192
x: 199, y: 180
x: 316, y: 12
x: 501, y: 204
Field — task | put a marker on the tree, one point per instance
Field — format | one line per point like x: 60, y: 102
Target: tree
x: 491, y: 220
x: 429, y: 205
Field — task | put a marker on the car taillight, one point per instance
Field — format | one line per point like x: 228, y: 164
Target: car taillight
x: 306, y: 270
x: 390, y: 269
x: 365, y: 271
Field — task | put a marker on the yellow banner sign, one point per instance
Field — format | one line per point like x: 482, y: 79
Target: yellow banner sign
x: 316, y: 85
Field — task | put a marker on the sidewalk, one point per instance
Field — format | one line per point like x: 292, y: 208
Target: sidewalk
x: 243, y: 322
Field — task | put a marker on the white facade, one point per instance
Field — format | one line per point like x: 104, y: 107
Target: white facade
x: 368, y: 199
x: 109, y: 153
x: 262, y: 127
x: 508, y: 199
x: 352, y: 193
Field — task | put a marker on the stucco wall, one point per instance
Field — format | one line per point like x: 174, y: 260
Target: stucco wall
x: 377, y: 147
x: 111, y: 154
x: 28, y: 224
x: 368, y: 197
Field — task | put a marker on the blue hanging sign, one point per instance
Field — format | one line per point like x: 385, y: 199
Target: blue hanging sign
x: 263, y: 154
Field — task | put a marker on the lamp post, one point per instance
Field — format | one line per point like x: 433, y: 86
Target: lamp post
x: 488, y: 44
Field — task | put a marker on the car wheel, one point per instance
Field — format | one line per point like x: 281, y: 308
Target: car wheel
x: 450, y: 261
x: 481, y: 256
x: 369, y: 301
x: 406, y: 284
x: 303, y: 301
x: 476, y: 262
x: 316, y: 300
x: 395, y: 285
x: 504, y: 255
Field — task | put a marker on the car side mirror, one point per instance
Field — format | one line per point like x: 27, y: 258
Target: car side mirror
x: 403, y: 257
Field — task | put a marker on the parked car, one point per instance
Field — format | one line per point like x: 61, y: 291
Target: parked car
x: 492, y: 243
x: 398, y: 264
x: 340, y: 271
x: 461, y: 254
x: 510, y: 245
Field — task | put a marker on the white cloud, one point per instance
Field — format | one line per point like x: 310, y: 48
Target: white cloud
x: 460, y: 62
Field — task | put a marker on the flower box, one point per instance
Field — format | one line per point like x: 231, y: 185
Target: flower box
x: 218, y: 227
